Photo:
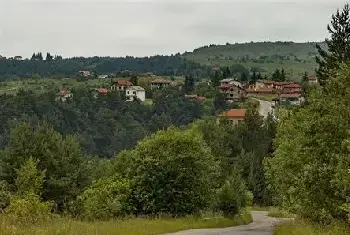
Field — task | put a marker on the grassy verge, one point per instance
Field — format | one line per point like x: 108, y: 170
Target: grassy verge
x: 137, y: 226
x: 278, y: 213
x: 305, y: 228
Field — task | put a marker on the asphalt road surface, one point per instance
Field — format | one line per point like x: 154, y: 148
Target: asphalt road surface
x: 265, y: 108
x: 261, y: 225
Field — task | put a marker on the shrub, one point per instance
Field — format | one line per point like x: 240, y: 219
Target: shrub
x: 5, y: 196
x: 233, y: 196
x: 172, y: 172
x: 106, y: 198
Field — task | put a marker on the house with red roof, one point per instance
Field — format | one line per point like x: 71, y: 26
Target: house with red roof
x: 232, y: 116
x: 63, y: 95
x: 121, y: 85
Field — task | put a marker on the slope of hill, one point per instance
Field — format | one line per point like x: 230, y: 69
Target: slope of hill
x: 295, y: 58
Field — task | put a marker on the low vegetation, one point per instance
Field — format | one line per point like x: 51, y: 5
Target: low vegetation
x: 302, y: 227
x: 136, y: 226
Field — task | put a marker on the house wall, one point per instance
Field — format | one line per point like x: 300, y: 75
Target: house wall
x: 233, y: 121
x: 131, y: 94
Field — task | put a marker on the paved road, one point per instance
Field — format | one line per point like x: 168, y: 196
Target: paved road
x: 265, y: 108
x: 262, y: 225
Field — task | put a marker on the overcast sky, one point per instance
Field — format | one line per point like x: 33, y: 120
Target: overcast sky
x: 149, y: 27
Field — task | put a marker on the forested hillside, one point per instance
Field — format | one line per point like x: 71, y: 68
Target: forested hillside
x: 265, y: 57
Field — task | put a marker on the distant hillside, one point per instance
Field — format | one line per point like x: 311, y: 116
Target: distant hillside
x: 295, y: 58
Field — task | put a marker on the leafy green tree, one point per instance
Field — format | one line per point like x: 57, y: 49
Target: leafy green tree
x: 232, y: 195
x: 305, y: 78
x: 308, y: 173
x: 106, y: 198
x: 134, y: 80
x: 66, y: 173
x: 26, y: 207
x: 159, y: 172
x: 338, y: 46
x: 277, y: 76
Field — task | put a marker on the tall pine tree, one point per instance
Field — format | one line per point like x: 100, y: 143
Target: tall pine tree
x: 338, y: 45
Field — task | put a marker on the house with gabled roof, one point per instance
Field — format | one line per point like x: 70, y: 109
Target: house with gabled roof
x: 232, y: 116
x: 120, y: 85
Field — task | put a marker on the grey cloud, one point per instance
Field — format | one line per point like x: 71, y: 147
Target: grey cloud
x: 148, y: 27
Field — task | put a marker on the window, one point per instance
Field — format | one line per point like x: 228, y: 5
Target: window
x: 134, y: 93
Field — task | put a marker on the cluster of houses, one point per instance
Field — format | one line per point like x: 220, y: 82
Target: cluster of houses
x: 131, y: 92
x: 287, y: 92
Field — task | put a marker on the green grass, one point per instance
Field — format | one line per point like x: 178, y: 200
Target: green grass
x: 136, y: 226
x: 278, y: 213
x: 300, y: 227
x: 267, y: 97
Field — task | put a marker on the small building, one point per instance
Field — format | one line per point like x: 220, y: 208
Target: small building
x: 232, y: 116
x: 102, y: 76
x: 63, y: 95
x: 290, y: 99
x: 100, y: 91
x: 227, y: 81
x: 135, y: 92
x: 18, y: 57
x: 293, y: 88
x: 84, y: 73
x: 195, y: 97
x: 264, y: 84
x: 160, y: 83
x: 120, y: 85
x: 312, y: 80
x: 234, y: 90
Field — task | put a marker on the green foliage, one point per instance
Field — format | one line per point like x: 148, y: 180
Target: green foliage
x: 25, y: 207
x: 310, y: 171
x: 172, y: 172
x: 66, y: 171
x: 29, y: 179
x: 338, y: 49
x: 106, y: 198
x: 232, y: 196
x: 5, y: 196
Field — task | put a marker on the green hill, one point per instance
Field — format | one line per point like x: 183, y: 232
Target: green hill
x: 295, y: 58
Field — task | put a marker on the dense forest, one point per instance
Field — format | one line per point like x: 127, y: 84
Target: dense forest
x: 50, y: 66
x: 101, y: 159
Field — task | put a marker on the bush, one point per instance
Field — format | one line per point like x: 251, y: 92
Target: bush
x: 5, y: 196
x: 106, y: 198
x: 233, y: 195
x: 28, y: 210
x: 172, y: 172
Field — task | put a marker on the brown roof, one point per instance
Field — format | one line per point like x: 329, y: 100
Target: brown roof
x: 260, y: 90
x: 122, y: 83
x: 102, y: 90
x: 293, y: 85
x: 283, y: 83
x: 198, y: 98
x: 234, y: 113
x: 290, y: 95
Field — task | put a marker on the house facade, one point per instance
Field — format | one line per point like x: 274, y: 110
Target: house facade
x: 263, y: 84
x: 232, y: 116
x: 292, y: 88
x: 121, y: 85
x: 312, y: 80
x: 290, y: 99
x: 84, y: 73
x: 63, y: 95
x: 233, y: 90
x: 160, y: 83
x: 135, y: 92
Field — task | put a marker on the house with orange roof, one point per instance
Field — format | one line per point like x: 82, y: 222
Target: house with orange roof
x: 63, y: 95
x: 232, y: 116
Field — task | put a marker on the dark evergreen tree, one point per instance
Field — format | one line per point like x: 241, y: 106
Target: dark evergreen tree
x: 39, y: 56
x: 305, y: 78
x: 226, y: 73
x: 283, y: 75
x: 134, y: 80
x: 244, y: 77
x: 49, y: 57
x: 338, y: 45
x: 254, y: 77
x: 189, y: 84
x: 215, y: 79
x: 276, y: 76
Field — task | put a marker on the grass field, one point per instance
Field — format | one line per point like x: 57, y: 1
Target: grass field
x: 300, y: 227
x: 137, y: 226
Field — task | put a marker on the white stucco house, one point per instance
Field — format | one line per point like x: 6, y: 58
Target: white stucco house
x: 133, y: 92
